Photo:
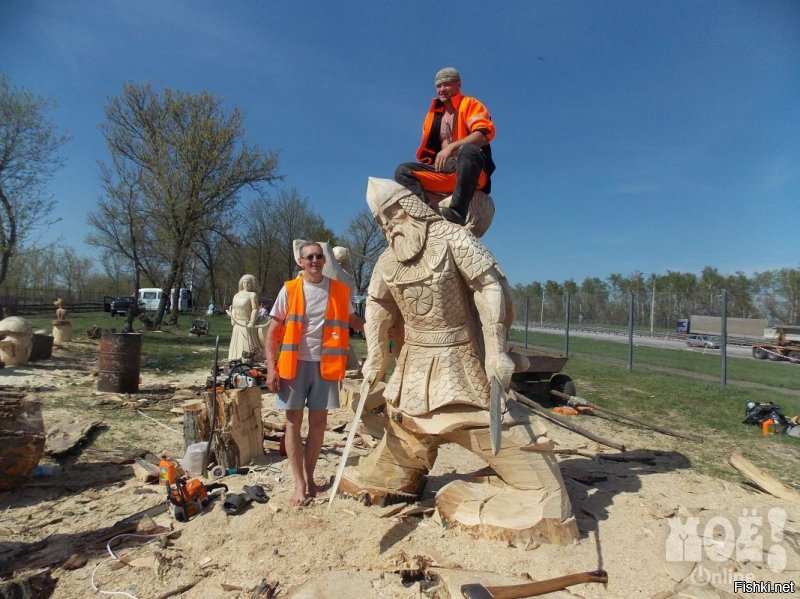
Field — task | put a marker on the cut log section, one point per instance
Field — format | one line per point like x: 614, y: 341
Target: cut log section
x: 22, y: 438
x: 504, y: 514
x: 195, y: 422
x: 239, y: 433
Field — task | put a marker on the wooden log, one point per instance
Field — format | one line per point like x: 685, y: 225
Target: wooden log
x: 238, y: 437
x: 514, y: 516
x: 763, y: 480
x: 195, y: 423
x: 22, y: 438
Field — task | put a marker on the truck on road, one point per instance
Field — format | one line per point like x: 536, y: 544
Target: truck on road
x: 781, y: 347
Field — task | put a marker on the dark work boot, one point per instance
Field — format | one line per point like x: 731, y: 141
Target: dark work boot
x: 453, y: 216
x: 468, y: 170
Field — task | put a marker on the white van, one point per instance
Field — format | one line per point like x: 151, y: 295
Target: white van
x: 150, y: 297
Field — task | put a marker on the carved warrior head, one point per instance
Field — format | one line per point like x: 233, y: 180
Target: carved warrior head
x: 384, y: 194
x: 401, y: 215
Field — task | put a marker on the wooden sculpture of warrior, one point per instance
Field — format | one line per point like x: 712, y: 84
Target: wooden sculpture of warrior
x: 440, y: 285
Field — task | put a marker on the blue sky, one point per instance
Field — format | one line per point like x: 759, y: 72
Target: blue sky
x: 631, y: 135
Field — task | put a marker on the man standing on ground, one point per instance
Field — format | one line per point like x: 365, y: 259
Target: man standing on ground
x: 310, y: 320
x: 454, y: 156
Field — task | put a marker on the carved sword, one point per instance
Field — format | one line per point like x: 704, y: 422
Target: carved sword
x: 496, y: 395
x: 362, y: 399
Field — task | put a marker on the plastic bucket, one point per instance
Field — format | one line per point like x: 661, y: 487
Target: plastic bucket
x: 193, y: 458
x: 120, y: 355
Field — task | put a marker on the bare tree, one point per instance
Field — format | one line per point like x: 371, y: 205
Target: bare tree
x: 28, y: 157
x: 366, y: 243
x: 118, y: 223
x: 191, y: 165
x: 273, y: 225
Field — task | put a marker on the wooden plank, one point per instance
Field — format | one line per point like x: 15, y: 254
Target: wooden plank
x: 68, y: 434
x: 763, y: 480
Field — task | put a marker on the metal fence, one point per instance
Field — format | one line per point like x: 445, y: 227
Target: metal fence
x: 658, y: 316
x: 653, y: 312
x: 38, y: 301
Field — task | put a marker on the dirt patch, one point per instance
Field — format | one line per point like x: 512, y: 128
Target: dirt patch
x: 655, y: 525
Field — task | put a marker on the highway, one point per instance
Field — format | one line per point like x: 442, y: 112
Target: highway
x: 639, y: 339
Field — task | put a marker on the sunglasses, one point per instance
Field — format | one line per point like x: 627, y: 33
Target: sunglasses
x: 314, y: 257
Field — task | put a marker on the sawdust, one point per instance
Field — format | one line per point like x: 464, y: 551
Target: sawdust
x: 625, y: 511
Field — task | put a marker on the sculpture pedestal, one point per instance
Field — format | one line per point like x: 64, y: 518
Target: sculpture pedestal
x: 494, y: 510
x: 62, y: 331
x: 521, y: 501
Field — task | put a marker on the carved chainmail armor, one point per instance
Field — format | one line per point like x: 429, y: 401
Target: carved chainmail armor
x: 440, y: 362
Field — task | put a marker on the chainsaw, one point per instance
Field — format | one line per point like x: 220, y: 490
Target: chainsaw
x: 187, y: 498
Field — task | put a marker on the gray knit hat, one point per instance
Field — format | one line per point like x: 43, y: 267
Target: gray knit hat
x: 447, y: 74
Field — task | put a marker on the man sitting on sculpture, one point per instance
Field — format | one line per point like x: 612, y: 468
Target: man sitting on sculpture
x: 454, y: 156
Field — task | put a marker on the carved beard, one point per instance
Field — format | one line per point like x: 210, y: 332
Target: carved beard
x: 408, y: 239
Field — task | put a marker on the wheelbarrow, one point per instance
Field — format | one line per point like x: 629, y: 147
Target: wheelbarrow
x: 542, y: 376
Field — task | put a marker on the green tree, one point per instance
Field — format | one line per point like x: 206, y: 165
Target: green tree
x: 191, y: 165
x: 29, y: 143
x: 788, y: 285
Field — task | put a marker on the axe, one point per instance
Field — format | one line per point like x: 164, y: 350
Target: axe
x: 530, y: 589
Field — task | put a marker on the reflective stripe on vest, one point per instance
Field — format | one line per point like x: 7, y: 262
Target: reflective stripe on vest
x: 335, y: 331
x: 292, y: 330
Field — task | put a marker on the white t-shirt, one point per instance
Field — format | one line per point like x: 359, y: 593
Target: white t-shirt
x: 316, y: 298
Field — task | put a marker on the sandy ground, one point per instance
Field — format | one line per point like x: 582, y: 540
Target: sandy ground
x: 657, y: 528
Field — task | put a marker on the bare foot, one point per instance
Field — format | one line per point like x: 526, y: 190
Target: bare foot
x: 313, y: 490
x: 299, y: 496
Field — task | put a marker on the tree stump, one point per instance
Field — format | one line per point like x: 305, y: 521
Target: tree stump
x: 195, y: 422
x: 497, y: 511
x: 22, y: 438
x: 239, y: 434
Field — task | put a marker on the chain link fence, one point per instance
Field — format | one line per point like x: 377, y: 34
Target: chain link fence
x: 660, y: 312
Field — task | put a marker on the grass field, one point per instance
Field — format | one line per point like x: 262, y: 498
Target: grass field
x: 676, y: 389
x: 162, y: 351
x: 677, y: 399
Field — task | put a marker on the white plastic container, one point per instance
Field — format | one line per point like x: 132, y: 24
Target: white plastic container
x: 192, y: 461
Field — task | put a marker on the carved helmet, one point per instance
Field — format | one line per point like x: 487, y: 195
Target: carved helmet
x: 385, y: 193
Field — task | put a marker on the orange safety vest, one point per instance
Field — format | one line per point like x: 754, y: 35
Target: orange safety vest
x: 471, y: 116
x: 335, y: 331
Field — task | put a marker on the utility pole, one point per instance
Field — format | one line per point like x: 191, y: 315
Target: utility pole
x: 653, y: 305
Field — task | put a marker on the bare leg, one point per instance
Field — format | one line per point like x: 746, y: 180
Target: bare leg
x: 295, y: 453
x: 317, y: 421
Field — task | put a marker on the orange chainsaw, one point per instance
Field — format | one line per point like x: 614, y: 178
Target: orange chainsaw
x: 188, y: 498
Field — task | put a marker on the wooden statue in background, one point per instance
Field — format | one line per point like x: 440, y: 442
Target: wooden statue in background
x: 61, y: 313
x: 442, y: 288
x: 62, y: 328
x: 243, y: 313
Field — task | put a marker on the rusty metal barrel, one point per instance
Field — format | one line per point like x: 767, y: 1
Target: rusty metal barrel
x: 120, y: 355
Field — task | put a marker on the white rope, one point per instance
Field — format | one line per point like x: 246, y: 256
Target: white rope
x: 115, y: 558
x: 159, y: 423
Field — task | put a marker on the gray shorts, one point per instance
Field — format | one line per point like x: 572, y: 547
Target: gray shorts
x: 307, y: 389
